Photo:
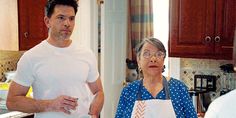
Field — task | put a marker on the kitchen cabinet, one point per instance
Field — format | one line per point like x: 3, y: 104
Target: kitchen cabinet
x: 202, y: 28
x: 32, y: 29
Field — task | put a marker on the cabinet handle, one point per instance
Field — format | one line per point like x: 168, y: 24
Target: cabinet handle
x: 217, y: 39
x: 26, y: 34
x: 207, y: 39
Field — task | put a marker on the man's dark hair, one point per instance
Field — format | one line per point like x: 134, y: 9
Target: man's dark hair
x: 50, y: 5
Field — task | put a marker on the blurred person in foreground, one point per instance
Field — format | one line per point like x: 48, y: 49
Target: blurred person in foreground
x: 224, y: 106
x: 62, y: 75
x: 154, y: 95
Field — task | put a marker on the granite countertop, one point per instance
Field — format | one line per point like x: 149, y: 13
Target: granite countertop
x: 13, y: 114
x: 4, y: 113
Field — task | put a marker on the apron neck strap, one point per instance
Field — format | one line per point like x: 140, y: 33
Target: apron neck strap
x: 165, y: 86
x: 139, y: 97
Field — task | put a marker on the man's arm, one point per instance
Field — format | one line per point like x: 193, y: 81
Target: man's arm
x: 17, y: 101
x: 97, y: 103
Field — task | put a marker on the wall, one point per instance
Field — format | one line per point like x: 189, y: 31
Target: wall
x: 86, y: 27
x: 9, y: 25
x: 113, y: 52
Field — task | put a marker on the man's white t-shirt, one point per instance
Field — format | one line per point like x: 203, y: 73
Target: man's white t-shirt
x: 223, y: 107
x: 53, y: 71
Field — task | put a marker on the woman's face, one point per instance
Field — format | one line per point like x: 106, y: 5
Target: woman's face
x: 151, y: 60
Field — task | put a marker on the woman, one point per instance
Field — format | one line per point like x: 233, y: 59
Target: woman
x: 154, y: 96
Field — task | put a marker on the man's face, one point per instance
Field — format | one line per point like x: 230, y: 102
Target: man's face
x: 61, y: 23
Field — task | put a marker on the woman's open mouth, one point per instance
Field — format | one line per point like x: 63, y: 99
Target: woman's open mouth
x: 153, y: 66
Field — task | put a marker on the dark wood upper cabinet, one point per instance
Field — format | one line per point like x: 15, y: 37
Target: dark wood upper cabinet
x: 32, y: 29
x: 202, y: 28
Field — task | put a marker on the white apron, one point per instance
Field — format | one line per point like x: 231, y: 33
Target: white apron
x: 154, y: 108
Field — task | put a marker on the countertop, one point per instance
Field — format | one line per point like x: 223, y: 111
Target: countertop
x: 14, y: 114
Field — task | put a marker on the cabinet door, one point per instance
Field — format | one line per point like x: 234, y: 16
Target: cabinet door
x: 191, y: 28
x: 225, y: 27
x: 32, y: 29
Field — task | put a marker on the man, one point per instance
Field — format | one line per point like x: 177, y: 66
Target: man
x: 223, y: 107
x: 58, y: 71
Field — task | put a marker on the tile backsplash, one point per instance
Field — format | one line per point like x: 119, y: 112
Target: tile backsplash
x: 8, y: 62
x: 190, y: 67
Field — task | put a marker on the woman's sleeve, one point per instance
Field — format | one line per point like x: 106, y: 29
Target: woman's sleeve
x: 121, y: 105
x: 187, y: 103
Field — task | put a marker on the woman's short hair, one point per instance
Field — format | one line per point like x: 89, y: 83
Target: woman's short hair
x: 154, y: 41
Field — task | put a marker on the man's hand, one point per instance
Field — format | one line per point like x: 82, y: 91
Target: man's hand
x: 94, y: 116
x: 63, y: 104
x: 17, y: 101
